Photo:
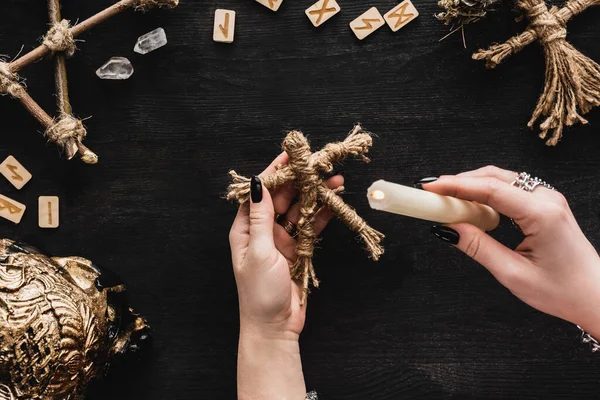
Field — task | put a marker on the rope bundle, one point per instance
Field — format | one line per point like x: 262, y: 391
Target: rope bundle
x: 306, y: 170
x: 572, y: 83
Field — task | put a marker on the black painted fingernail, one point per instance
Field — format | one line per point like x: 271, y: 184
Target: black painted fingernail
x: 419, y: 183
x: 256, y: 189
x: 337, y: 172
x: 446, y: 234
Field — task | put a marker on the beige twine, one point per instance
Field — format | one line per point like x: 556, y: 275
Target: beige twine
x: 68, y: 133
x: 305, y: 169
x: 9, y: 81
x: 145, y: 5
x: 572, y: 84
x: 60, y: 39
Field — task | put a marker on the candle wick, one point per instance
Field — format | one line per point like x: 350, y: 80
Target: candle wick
x: 378, y: 195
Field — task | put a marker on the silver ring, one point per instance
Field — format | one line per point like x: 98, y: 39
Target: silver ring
x: 525, y: 182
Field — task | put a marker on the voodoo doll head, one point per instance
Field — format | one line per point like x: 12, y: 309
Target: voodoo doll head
x: 62, y: 321
x: 308, y: 171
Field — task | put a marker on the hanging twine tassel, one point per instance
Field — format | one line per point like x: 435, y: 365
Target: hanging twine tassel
x: 572, y: 83
x: 307, y: 171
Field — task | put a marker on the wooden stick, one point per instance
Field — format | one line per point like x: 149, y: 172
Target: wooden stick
x: 62, y: 88
x: 60, y: 76
x: 34, y: 109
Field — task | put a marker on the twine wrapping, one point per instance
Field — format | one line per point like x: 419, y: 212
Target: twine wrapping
x: 68, y: 133
x: 145, y: 5
x: 307, y: 171
x: 572, y: 83
x: 9, y: 81
x: 59, y: 39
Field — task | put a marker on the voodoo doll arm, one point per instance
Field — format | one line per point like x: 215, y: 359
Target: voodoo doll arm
x: 306, y: 169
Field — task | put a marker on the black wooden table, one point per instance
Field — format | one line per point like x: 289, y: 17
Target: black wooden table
x: 424, y: 322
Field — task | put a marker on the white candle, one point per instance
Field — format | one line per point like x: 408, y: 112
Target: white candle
x: 416, y: 203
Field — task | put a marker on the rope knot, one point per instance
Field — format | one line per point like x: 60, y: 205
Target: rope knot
x: 9, y: 81
x: 60, y: 38
x: 548, y: 26
x: 66, y: 131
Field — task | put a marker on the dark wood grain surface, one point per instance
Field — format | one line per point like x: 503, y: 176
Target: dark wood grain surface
x: 424, y: 322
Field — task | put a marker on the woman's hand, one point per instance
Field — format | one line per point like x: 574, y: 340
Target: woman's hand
x: 271, y: 317
x: 555, y: 269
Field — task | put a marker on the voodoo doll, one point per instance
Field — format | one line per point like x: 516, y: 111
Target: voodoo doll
x: 572, y: 84
x: 308, y: 171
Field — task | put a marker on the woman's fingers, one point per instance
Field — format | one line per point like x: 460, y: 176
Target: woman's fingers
x: 501, y: 196
x: 508, y: 177
x: 260, y: 218
x: 283, y: 197
x: 281, y: 159
x: 284, y: 194
x: 491, y: 172
x: 510, y: 268
x: 287, y: 244
x: 239, y: 233
x: 322, y: 218
x: 284, y: 243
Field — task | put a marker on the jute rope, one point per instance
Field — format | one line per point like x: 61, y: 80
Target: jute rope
x: 145, y: 5
x: 60, y: 39
x: 572, y: 84
x: 307, y: 171
x: 67, y: 132
x: 9, y: 81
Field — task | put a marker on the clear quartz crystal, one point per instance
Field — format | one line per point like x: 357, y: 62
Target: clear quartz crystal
x: 117, y: 68
x: 151, y: 41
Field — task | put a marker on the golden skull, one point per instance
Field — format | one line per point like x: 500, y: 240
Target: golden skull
x: 62, y: 320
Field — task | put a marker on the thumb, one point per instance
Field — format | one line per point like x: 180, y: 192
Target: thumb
x: 507, y: 266
x: 261, y: 215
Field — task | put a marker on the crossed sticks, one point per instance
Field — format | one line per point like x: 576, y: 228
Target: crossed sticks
x: 66, y: 131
